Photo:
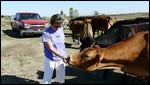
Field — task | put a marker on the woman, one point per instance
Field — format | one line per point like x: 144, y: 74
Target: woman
x: 54, y: 50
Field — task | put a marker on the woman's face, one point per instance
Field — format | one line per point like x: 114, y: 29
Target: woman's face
x: 56, y: 26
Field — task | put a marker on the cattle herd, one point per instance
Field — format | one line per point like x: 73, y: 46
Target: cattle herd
x: 122, y: 45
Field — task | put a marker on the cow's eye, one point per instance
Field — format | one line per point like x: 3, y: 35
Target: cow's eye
x: 84, y: 56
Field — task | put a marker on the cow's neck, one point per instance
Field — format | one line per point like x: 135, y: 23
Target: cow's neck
x: 124, y: 51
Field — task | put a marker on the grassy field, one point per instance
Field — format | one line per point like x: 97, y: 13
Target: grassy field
x: 22, y: 59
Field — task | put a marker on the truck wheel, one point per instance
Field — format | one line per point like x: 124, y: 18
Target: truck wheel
x: 13, y: 29
x: 21, y: 33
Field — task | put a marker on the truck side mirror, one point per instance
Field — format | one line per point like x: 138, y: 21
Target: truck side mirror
x: 43, y: 18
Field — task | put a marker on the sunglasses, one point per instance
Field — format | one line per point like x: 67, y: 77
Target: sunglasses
x: 57, y: 26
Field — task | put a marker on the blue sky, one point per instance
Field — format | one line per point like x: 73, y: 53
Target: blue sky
x: 48, y: 8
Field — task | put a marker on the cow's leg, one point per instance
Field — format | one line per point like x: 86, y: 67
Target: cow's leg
x: 102, y: 32
x: 78, y: 41
x: 94, y: 33
x: 73, y: 38
x: 98, y: 32
x: 105, y: 30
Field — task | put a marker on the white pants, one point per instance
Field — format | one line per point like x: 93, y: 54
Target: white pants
x: 49, y: 66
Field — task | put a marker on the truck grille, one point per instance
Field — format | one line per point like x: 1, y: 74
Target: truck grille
x: 37, y: 26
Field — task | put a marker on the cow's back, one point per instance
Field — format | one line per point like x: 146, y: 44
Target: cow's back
x: 130, y: 21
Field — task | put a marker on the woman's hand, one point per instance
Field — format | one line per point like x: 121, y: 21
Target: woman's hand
x: 64, y: 60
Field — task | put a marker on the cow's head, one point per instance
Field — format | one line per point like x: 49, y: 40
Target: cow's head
x: 87, y: 30
x: 110, y: 22
x: 87, y: 42
x: 86, y: 60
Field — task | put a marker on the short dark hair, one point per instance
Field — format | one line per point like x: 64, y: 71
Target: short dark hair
x: 56, y: 18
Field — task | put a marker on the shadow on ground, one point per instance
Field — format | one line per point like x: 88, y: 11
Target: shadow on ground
x: 11, y: 79
x: 16, y: 34
x: 76, y: 77
x: 94, y: 77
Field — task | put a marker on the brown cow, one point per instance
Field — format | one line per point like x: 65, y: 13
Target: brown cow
x: 101, y: 23
x: 81, y: 29
x: 79, y: 18
x: 130, y: 56
x: 113, y: 36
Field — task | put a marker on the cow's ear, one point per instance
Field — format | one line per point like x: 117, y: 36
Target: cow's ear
x: 93, y: 45
x: 108, y: 18
x: 97, y: 46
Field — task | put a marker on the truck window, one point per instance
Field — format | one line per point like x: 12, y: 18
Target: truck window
x: 30, y: 16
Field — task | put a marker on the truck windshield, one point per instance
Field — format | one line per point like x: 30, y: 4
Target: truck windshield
x: 30, y: 16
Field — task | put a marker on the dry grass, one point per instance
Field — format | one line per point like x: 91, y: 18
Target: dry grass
x: 22, y: 61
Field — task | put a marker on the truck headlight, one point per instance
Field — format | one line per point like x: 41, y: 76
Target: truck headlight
x: 26, y: 25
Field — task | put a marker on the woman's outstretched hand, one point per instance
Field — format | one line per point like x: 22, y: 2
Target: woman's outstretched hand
x: 64, y: 60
